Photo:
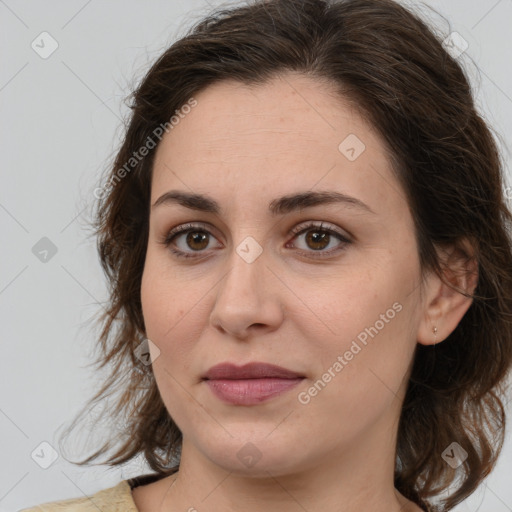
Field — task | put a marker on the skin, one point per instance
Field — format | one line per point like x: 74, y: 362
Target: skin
x: 245, y: 146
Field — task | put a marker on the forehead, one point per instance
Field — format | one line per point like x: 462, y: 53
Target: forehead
x: 290, y: 133
x: 289, y: 105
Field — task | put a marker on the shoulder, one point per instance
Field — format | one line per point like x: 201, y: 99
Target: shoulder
x: 114, y: 499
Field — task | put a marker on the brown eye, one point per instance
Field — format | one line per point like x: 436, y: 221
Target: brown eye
x: 187, y: 239
x: 191, y: 241
x: 197, y: 240
x: 318, y: 238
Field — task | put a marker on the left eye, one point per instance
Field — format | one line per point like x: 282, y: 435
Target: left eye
x: 319, y: 238
x: 197, y: 238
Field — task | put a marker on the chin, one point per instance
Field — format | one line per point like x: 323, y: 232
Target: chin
x: 255, y: 454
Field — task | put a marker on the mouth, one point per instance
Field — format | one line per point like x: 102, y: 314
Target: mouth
x: 250, y: 384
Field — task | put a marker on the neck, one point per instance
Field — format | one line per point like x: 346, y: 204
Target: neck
x: 350, y: 479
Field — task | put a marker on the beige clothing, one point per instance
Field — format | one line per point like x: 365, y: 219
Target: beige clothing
x: 113, y: 499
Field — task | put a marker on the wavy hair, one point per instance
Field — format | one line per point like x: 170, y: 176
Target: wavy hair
x: 394, y: 68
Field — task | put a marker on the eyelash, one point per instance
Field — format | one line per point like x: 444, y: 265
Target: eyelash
x: 298, y: 230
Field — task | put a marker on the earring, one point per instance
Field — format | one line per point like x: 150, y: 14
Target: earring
x: 434, y: 330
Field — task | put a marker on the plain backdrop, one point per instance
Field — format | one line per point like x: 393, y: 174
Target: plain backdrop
x: 61, y: 120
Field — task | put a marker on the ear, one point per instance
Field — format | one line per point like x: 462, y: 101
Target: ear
x: 445, y: 304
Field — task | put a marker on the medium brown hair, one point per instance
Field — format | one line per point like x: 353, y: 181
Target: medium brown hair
x: 386, y: 60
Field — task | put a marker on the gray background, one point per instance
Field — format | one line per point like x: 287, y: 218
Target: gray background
x: 61, y: 122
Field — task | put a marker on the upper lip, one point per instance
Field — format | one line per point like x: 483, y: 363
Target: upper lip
x: 249, y: 371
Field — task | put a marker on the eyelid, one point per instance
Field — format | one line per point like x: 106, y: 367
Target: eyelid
x: 344, y: 239
x: 294, y: 231
x: 320, y: 225
x: 181, y: 228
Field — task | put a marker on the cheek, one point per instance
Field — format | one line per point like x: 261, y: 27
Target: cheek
x: 166, y: 322
x: 357, y: 383
x: 369, y: 323
x: 174, y: 315
x: 162, y: 307
x: 164, y: 302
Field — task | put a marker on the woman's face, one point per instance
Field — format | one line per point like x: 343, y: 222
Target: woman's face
x: 261, y: 282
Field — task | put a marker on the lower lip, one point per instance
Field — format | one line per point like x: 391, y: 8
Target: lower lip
x: 250, y: 391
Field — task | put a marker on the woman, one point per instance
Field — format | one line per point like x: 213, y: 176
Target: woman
x: 306, y: 235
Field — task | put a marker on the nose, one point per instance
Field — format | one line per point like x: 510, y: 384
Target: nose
x: 247, y: 298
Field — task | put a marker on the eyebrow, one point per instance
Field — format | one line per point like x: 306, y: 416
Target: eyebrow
x: 279, y: 206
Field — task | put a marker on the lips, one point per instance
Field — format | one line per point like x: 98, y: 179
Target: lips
x: 250, y: 384
x: 249, y: 371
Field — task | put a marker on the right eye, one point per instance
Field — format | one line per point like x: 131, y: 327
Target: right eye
x: 197, y: 239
